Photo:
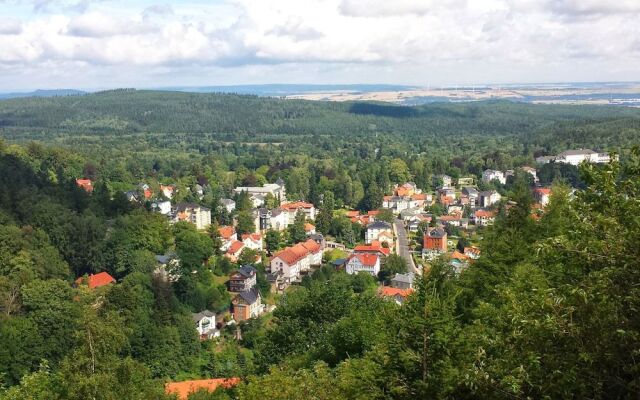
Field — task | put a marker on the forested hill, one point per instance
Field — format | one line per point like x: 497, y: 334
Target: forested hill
x: 175, y: 112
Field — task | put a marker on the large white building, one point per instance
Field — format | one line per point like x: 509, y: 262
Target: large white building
x: 294, y: 260
x: 576, y: 157
x: 491, y: 175
x: 277, y: 190
x: 376, y: 229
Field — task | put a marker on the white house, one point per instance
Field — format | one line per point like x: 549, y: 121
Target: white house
x: 228, y: 204
x: 490, y: 175
x: 293, y: 260
x: 360, y: 262
x: 252, y: 241
x: 291, y: 210
x: 488, y: 198
x: 375, y: 229
x: 206, y: 324
x: 163, y: 207
x: 575, y: 157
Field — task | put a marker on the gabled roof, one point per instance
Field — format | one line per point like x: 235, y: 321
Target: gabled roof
x: 226, y: 232
x: 235, y: 247
x: 459, y: 256
x: 295, y: 205
x: 379, y: 225
x: 309, y: 227
x: 375, y: 246
x: 183, y: 389
x: 366, y: 259
x: 247, y: 271
x: 249, y: 296
x: 484, y: 214
x: 388, y: 291
x: 202, y: 314
x: 437, y: 233
x: 546, y: 191
x: 97, y: 280
x: 256, y: 237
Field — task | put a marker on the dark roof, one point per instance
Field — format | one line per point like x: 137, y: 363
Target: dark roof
x: 406, y: 278
x: 198, y: 316
x: 379, y: 225
x: 247, y: 270
x: 163, y: 259
x: 272, y: 277
x: 437, y: 232
x: 340, y: 261
x: 250, y: 296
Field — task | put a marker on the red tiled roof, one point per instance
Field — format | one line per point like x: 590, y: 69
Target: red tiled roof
x: 459, y: 256
x: 97, y: 280
x: 374, y: 246
x: 309, y: 227
x: 421, y: 196
x: 226, y: 232
x: 472, y: 250
x: 366, y: 259
x: 546, y: 191
x: 295, y: 205
x: 311, y: 246
x: 353, y: 213
x: 449, y: 217
x: 373, y: 213
x: 256, y: 237
x: 235, y: 247
x: 85, y: 184
x: 183, y: 389
x: 484, y: 214
x: 388, y: 291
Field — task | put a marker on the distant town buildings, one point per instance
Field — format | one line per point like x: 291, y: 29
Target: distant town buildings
x: 576, y: 157
x: 196, y: 214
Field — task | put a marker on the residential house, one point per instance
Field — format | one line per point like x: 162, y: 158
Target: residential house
x: 434, y: 243
x: 243, y: 279
x: 183, y: 389
x: 168, y: 191
x: 545, y: 159
x: 396, y: 294
x: 227, y: 236
x: 369, y: 263
x: 484, y: 217
x: 375, y: 247
x: 275, y: 219
x: 407, y: 189
x: 309, y: 229
x: 442, y: 181
x: 542, y: 195
x: 531, y: 171
x: 247, y: 305
x: 277, y: 190
x: 161, y: 206
x: 293, y: 260
x: 168, y: 267
x: 94, y: 281
x: 469, y: 196
x: 488, y: 198
x: 472, y: 252
x: 493, y: 175
x: 228, y: 204
x: 234, y: 250
x: 451, y: 220
x: 291, y: 209
x: 196, y: 214
x: 403, y: 281
x: 85, y: 184
x: 252, y: 241
x: 396, y: 203
x: 447, y: 191
x: 206, y: 324
x: 377, y: 228
x: 576, y: 157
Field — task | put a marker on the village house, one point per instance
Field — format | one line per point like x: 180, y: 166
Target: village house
x: 234, y: 250
x: 447, y: 191
x: 243, y: 279
x: 542, y: 195
x: 403, y: 281
x: 228, y: 204
x: 161, y: 206
x: 396, y: 203
x: 442, y: 181
x: 94, y: 281
x: 198, y: 215
x: 406, y: 190
x: 294, y: 260
x: 291, y: 209
x: 531, y: 171
x: 488, y: 198
x: 275, y: 219
x: 85, y: 184
x: 399, y: 296
x: 277, y: 190
x: 168, y: 191
x: 227, y: 236
x: 183, y: 389
x: 252, y: 241
x: 375, y: 247
x: 206, y: 324
x: 309, y: 229
x: 247, y: 305
x: 484, y: 217
x: 469, y: 196
x: 369, y: 263
x: 376, y: 229
x: 434, y: 243
x: 472, y: 252
x: 491, y: 175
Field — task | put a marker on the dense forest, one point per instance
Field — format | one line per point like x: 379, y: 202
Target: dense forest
x: 549, y: 310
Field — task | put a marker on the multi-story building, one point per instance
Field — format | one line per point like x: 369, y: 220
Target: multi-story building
x: 491, y: 175
x: 196, y: 214
x: 359, y: 262
x: 434, y: 243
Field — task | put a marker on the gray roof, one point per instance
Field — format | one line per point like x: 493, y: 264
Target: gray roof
x: 247, y: 270
x: 379, y: 225
x: 406, y: 278
x: 227, y: 201
x: 163, y: 259
x: 580, y: 152
x: 470, y: 190
x: 437, y: 232
x: 198, y: 316
x: 250, y: 296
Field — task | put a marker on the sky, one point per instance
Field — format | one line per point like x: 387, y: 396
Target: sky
x: 98, y: 44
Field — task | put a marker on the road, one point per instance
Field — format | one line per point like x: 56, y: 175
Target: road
x: 402, y: 245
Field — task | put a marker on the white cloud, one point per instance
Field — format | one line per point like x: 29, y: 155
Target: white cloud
x: 366, y: 40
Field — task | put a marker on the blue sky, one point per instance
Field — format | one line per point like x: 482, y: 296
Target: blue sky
x: 94, y: 44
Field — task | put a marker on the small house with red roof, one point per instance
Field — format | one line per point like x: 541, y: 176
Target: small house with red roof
x: 484, y: 217
x: 183, y: 389
x: 542, y: 195
x: 252, y: 241
x: 227, y: 235
x: 395, y: 294
x: 234, y: 250
x: 369, y: 263
x: 292, y: 208
x: 375, y: 247
x: 85, y: 184
x: 95, y: 280
x: 294, y: 260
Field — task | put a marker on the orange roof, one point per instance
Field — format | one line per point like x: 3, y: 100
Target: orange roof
x: 235, y: 247
x: 97, y: 280
x: 373, y: 213
x: 484, y: 214
x: 361, y: 219
x: 295, y: 205
x: 459, y: 256
x: 226, y: 232
x: 387, y: 198
x: 353, y: 213
x: 85, y: 184
x: 289, y: 256
x: 311, y: 245
x: 169, y: 188
x: 366, y: 259
x: 374, y: 246
x: 183, y: 389
x: 309, y: 227
x: 389, y: 291
x: 446, y: 199
x: 256, y: 237
x: 148, y: 193
x: 421, y: 196
x: 449, y: 217
x: 546, y: 191
x: 472, y: 250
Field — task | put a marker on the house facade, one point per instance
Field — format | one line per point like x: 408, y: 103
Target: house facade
x: 369, y: 263
x: 491, y: 175
x: 247, y: 305
x: 375, y: 229
x: 198, y: 215
x: 205, y: 322
x: 434, y: 243
x: 243, y: 279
